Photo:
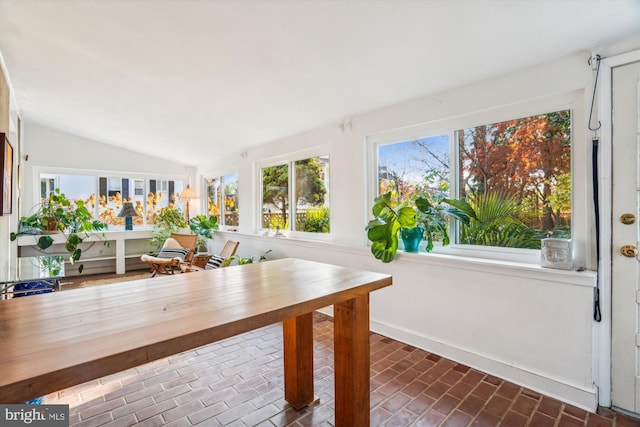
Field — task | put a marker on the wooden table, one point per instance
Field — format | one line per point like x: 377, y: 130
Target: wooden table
x: 53, y: 341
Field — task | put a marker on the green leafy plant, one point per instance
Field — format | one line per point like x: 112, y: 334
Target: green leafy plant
x: 58, y: 214
x: 242, y: 260
x: 498, y: 222
x: 52, y: 265
x: 168, y: 220
x: 203, y: 227
x: 432, y: 216
x: 316, y: 220
x: 383, y: 231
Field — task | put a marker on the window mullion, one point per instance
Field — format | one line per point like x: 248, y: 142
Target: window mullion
x: 292, y: 192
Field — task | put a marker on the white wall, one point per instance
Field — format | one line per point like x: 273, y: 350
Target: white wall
x: 523, y: 323
x: 520, y: 322
x: 50, y: 148
x: 8, y: 222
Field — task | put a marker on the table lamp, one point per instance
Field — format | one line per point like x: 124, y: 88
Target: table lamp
x: 127, y: 212
x: 187, y: 194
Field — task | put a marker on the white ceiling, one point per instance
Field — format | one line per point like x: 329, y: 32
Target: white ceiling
x: 192, y: 79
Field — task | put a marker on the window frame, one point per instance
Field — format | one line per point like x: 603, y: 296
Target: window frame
x: 572, y: 101
x: 289, y: 160
x: 97, y: 174
x: 220, y: 177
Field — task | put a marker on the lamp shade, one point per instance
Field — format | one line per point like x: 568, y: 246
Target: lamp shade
x: 188, y: 193
x: 127, y: 210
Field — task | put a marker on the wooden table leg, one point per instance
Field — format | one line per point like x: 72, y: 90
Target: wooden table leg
x: 298, y: 360
x: 352, y: 362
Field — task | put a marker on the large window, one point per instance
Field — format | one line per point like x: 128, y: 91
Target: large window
x: 413, y: 167
x: 308, y: 186
x: 516, y: 175
x: 222, y: 199
x: 104, y: 194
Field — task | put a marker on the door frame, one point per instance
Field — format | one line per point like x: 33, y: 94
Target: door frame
x: 602, y: 330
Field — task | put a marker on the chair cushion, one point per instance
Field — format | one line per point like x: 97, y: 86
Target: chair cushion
x: 214, y: 262
x: 173, y: 253
x: 171, y: 243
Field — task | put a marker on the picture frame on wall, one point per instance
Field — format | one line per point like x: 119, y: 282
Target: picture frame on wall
x: 6, y: 165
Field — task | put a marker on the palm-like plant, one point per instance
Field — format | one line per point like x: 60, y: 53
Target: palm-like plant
x: 498, y: 222
x: 433, y: 216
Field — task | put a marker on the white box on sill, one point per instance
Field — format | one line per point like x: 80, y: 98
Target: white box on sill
x: 556, y: 253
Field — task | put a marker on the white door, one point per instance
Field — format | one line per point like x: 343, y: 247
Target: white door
x: 625, y: 292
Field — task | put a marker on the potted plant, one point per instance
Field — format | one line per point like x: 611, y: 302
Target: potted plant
x: 247, y: 260
x: 57, y: 214
x: 168, y: 220
x: 411, y: 238
x: 419, y: 216
x: 204, y: 228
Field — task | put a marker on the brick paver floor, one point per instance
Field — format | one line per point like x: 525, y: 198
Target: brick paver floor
x: 239, y: 382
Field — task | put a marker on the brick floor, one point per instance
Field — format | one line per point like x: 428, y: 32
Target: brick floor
x: 239, y: 382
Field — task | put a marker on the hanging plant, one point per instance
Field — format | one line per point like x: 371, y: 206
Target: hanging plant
x: 59, y: 215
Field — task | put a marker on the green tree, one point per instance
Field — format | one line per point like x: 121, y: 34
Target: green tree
x: 310, y: 186
x: 275, y: 189
x: 560, y: 198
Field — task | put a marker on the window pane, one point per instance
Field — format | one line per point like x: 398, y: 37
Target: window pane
x: 517, y: 176
x: 139, y: 187
x: 136, y: 193
x: 312, y: 199
x: 231, y: 213
x: 275, y: 196
x: 162, y: 193
x: 414, y: 167
x: 213, y: 197
x: 110, y: 200
x: 74, y: 187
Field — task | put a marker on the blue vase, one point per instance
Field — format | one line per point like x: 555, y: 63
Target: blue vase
x: 411, y: 237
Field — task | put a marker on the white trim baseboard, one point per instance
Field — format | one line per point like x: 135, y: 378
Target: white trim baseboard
x: 574, y: 394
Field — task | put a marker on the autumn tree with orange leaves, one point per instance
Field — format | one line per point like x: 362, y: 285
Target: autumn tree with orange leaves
x: 525, y: 159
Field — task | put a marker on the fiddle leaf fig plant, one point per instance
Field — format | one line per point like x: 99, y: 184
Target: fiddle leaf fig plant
x: 203, y: 227
x: 383, y: 231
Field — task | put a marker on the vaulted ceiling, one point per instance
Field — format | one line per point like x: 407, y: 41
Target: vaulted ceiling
x: 191, y: 79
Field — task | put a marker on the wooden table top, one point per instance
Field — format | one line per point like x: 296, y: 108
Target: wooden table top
x: 52, y: 341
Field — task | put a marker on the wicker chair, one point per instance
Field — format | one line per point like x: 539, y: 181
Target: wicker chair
x: 171, y: 265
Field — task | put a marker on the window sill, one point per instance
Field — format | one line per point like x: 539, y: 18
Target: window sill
x: 577, y: 277
x: 327, y: 251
